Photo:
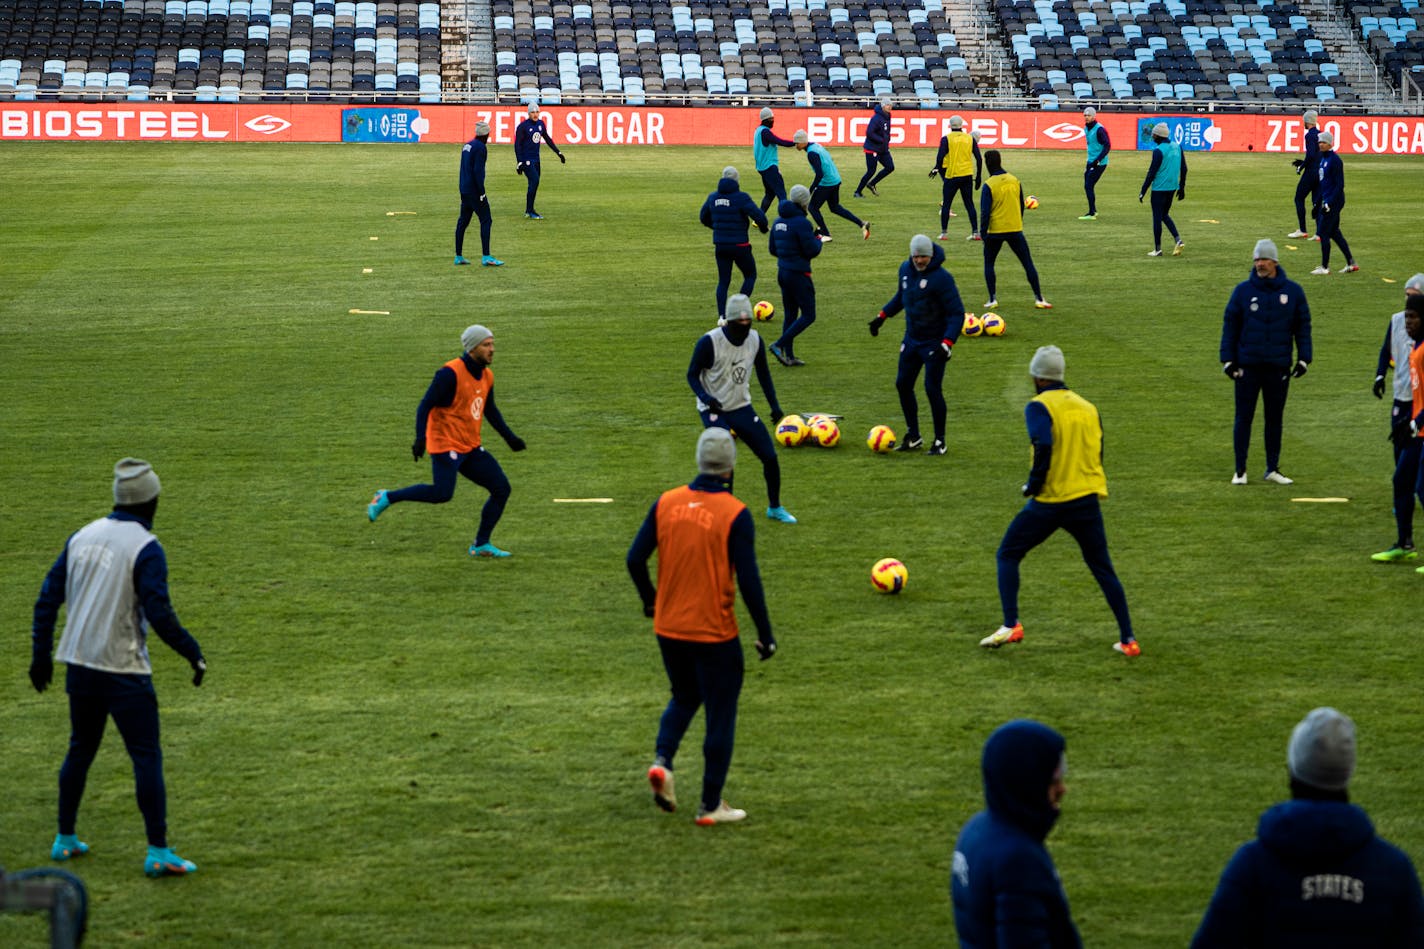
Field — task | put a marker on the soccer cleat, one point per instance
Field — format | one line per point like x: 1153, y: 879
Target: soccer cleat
x: 724, y: 814
x: 1321, y: 271
x: 1316, y: 238
x: 825, y: 238
x: 795, y: 361
x: 871, y: 189
x: 461, y: 261
x: 944, y: 235
x: 975, y: 236
x: 660, y: 778
x: 781, y: 357
x: 991, y: 304
x: 1351, y: 268
x: 952, y: 213
x: 1239, y: 478
x: 66, y: 846
x: 1177, y: 249
x: 1003, y: 635
x: 1396, y: 554
x: 857, y: 194
x: 781, y: 514
x: 937, y: 447
x: 1090, y: 216
x: 163, y: 862
x: 911, y: 443
x: 489, y: 261
x: 1275, y: 477
x: 865, y: 231
x: 1042, y: 304
x: 1154, y: 253
x: 1129, y: 648
x: 534, y: 215
x: 487, y: 550
x: 1297, y: 234
x: 378, y: 504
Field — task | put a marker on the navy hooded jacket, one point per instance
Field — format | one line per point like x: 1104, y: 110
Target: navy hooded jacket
x: 877, y: 133
x: 1315, y: 877
x: 728, y: 211
x: 793, y: 239
x: 1263, y: 319
x: 1005, y: 888
x: 933, y: 310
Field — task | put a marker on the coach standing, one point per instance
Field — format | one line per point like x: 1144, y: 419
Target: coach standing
x: 528, y: 136
x: 114, y: 576
x: 729, y: 211
x: 473, y: 201
x: 934, y: 317
x: 877, y: 149
x: 1265, y: 340
x: 1332, y: 202
x: 706, y: 549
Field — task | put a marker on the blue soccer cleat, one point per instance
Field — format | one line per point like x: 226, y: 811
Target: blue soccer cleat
x: 534, y: 215
x: 461, y: 261
x: 66, y: 846
x: 487, y: 550
x: 489, y: 261
x: 781, y: 514
x: 378, y: 504
x: 163, y: 862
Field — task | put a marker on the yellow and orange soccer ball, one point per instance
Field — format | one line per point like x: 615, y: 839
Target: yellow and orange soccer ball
x: 889, y: 575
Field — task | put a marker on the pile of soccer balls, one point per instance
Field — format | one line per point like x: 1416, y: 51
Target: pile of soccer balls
x: 990, y: 324
x: 820, y: 430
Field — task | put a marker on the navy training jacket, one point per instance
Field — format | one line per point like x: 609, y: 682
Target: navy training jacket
x: 729, y: 211
x: 793, y: 238
x: 1263, y: 319
x: 933, y: 309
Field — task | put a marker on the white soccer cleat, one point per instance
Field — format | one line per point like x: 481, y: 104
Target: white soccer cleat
x: 1321, y: 271
x: 724, y: 814
x: 1002, y: 636
x: 1239, y: 478
x: 1275, y: 477
x: 1297, y: 234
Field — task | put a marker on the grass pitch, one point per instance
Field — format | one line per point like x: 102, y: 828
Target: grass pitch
x: 398, y: 746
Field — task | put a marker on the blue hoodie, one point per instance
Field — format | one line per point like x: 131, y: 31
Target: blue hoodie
x: 1005, y: 888
x: 1316, y: 876
x: 1263, y: 318
x: 933, y: 310
x: 728, y: 210
x: 877, y: 133
x: 793, y: 238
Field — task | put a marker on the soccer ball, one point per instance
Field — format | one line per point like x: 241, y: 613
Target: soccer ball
x: 826, y: 433
x: 994, y: 324
x: 791, y: 431
x: 881, y: 439
x: 889, y: 575
x: 815, y: 417
x: 973, y: 326
x: 1030, y: 202
x: 763, y: 311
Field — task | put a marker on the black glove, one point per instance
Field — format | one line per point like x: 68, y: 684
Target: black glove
x: 1140, y: 196
x: 713, y: 405
x: 519, y: 168
x: 562, y: 159
x: 1298, y: 165
x: 1300, y: 367
x: 763, y: 228
x: 1181, y: 194
x: 515, y: 443
x: 1032, y: 487
x: 200, y: 669
x: 1378, y: 389
x: 417, y: 449
x: 947, y: 347
x: 976, y: 184
x: 876, y: 323
x: 776, y: 416
x: 766, y: 649
x: 934, y: 172
x: 649, y: 609
x: 41, y: 672
x: 1231, y: 369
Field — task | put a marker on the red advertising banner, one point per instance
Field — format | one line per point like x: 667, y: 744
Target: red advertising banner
x: 619, y: 125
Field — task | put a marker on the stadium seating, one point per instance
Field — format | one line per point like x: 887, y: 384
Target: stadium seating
x: 1391, y: 33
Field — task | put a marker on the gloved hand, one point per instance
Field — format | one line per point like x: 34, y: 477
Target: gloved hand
x: 713, y: 405
x: 947, y: 347
x: 1032, y: 488
x: 876, y: 323
x: 1300, y: 367
x: 519, y: 168
x: 1298, y: 165
x: 200, y: 669
x: 417, y: 449
x: 41, y: 672
x: 1181, y: 194
x: 562, y: 159
x: 1378, y: 389
x: 515, y: 443
x: 649, y: 609
x: 766, y: 649
x: 934, y: 172
x: 1232, y: 370
x: 776, y: 416
x: 1140, y: 196
x: 977, y: 179
x: 763, y: 228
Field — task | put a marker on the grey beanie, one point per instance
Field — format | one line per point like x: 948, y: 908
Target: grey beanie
x: 134, y: 482
x: 1160, y: 130
x: 1415, y: 282
x: 800, y: 136
x: 473, y: 336
x: 1265, y: 250
x: 921, y: 246
x: 800, y: 194
x: 1090, y: 113
x: 1327, y: 139
x: 886, y: 102
x: 956, y: 121
x: 1047, y: 363
x: 716, y: 452
x: 1310, y: 117
x: 766, y: 112
x: 1322, y: 750
x: 739, y: 307
x: 533, y: 107
x: 731, y: 172
x: 481, y: 127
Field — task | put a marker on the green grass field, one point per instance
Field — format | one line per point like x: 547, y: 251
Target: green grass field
x: 399, y: 746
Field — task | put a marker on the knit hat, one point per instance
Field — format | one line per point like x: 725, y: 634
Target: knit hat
x: 716, y: 452
x: 533, y: 107
x: 921, y: 246
x: 481, y: 128
x: 1090, y: 113
x: 766, y: 112
x: 1327, y: 139
x: 473, y: 336
x: 1415, y: 282
x: 1160, y: 130
x: 1310, y: 117
x: 1322, y: 750
x: 134, y: 482
x: 800, y: 194
x: 1265, y: 250
x: 739, y: 307
x: 731, y: 172
x: 800, y: 137
x: 956, y: 121
x: 886, y: 102
x: 1047, y: 363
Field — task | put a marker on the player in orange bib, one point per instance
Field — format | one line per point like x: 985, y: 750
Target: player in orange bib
x: 448, y: 424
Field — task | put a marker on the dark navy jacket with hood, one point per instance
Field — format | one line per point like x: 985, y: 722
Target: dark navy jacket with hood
x: 933, y: 310
x: 1263, y: 319
x: 793, y: 238
x: 1005, y: 888
x: 728, y: 210
x: 877, y: 133
x: 1315, y: 877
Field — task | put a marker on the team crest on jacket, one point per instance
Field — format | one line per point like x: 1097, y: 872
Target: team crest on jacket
x: 1284, y: 299
x: 924, y: 283
x: 1254, y: 305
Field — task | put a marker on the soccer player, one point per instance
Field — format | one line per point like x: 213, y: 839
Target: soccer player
x: 720, y: 376
x: 449, y: 423
x: 114, y: 575
x: 793, y: 243
x: 1166, y: 177
x: 764, y: 145
x: 877, y: 149
x: 1308, y: 168
x: 959, y: 165
x: 705, y: 541
x: 825, y: 187
x: 1395, y: 353
x: 1331, y: 172
x: 1095, y: 137
x: 1005, y: 889
x: 934, y: 317
x: 1265, y: 318
x: 528, y: 136
x: 472, y: 196
x: 728, y: 211
x: 1409, y: 440
x: 1063, y: 488
x: 1001, y: 205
